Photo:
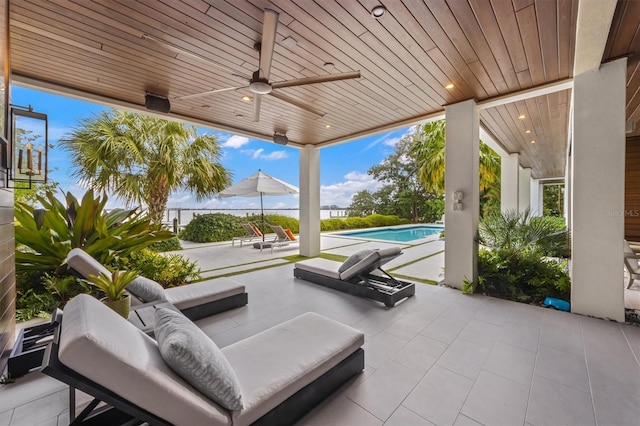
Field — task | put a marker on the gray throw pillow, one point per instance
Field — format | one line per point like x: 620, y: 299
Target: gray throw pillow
x: 146, y: 290
x: 353, y: 259
x: 196, y: 358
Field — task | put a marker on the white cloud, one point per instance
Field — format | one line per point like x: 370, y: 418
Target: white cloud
x: 275, y: 155
x: 341, y: 193
x: 258, y: 154
x: 235, y: 141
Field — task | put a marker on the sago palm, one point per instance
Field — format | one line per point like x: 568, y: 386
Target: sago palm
x: 428, y: 149
x: 144, y: 159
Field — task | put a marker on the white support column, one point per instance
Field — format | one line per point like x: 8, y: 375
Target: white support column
x: 536, y: 197
x: 509, y: 179
x: 461, y: 176
x: 597, y: 195
x: 524, y: 191
x: 309, y: 201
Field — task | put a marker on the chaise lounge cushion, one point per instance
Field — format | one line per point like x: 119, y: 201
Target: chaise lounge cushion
x: 190, y: 295
x: 196, y: 358
x: 105, y: 348
x: 274, y: 364
x: 146, y: 289
x: 354, y: 259
x: 321, y: 266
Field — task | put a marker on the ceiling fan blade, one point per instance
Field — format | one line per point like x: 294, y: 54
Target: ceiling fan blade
x: 316, y: 79
x: 257, y: 99
x: 299, y: 104
x: 269, y: 28
x: 182, y: 51
x: 209, y: 92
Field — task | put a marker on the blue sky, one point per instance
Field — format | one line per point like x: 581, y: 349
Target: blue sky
x: 343, y: 168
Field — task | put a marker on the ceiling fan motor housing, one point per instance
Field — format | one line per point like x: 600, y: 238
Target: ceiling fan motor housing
x: 154, y: 102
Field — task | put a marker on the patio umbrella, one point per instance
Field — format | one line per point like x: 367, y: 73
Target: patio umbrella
x: 259, y: 184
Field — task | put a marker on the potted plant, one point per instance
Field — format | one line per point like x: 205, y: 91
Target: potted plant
x: 113, y: 287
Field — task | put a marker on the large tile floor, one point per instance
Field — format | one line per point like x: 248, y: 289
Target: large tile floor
x: 439, y: 358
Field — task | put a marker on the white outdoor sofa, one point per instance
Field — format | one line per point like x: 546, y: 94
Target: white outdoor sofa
x: 197, y: 300
x: 282, y: 372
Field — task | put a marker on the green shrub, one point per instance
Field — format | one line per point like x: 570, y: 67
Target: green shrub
x: 45, y: 236
x: 212, y: 227
x: 356, y: 223
x: 31, y: 305
x: 516, y: 264
x: 171, y: 244
x: 521, y: 276
x: 170, y: 270
x: 332, y: 225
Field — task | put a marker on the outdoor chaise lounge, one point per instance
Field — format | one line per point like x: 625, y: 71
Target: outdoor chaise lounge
x: 361, y: 274
x: 251, y: 233
x: 197, y: 300
x: 284, y: 237
x: 631, y: 263
x: 271, y: 378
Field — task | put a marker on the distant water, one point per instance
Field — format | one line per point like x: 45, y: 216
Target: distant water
x: 185, y: 216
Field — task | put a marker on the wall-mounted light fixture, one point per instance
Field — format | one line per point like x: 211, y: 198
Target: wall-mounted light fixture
x: 29, y: 145
x: 458, y: 196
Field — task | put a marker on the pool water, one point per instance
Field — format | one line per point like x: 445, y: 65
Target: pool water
x: 398, y: 234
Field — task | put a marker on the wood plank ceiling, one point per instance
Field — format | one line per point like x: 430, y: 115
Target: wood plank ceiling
x: 486, y: 48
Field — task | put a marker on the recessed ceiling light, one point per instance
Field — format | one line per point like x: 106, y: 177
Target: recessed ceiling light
x: 327, y: 126
x: 522, y: 117
x: 378, y: 11
x: 329, y: 66
x: 239, y: 115
x: 449, y: 86
x: 289, y: 42
x: 533, y: 141
x: 246, y: 98
x: 527, y: 131
x: 205, y: 106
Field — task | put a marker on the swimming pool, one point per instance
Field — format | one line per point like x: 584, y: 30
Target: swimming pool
x: 404, y: 234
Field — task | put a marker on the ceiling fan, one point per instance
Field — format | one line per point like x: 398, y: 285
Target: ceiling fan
x: 259, y: 83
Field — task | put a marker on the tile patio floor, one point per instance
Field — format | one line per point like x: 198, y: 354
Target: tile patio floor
x: 439, y: 358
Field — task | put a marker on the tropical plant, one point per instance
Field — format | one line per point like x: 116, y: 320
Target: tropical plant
x: 553, y: 200
x: 429, y: 150
x: 517, y: 261
x: 113, y: 286
x: 142, y: 159
x: 514, y: 232
x: 45, y: 236
x: 169, y: 270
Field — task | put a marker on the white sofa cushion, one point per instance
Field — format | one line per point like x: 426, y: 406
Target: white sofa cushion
x: 107, y: 349
x: 196, y: 358
x: 273, y: 365
x: 321, y: 266
x: 190, y: 295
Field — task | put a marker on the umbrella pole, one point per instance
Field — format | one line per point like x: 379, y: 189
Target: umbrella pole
x: 262, y: 214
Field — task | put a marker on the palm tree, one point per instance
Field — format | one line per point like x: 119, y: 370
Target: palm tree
x: 428, y: 148
x: 143, y: 159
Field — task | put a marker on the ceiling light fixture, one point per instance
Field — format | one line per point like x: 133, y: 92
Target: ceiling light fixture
x: 527, y: 131
x: 533, y: 141
x: 378, y: 11
x: 522, y: 117
x: 449, y: 86
x: 280, y: 138
x: 327, y: 126
x: 246, y: 98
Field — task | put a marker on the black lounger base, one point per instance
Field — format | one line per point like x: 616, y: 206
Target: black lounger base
x: 120, y: 411
x: 365, y: 288
x: 207, y: 309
